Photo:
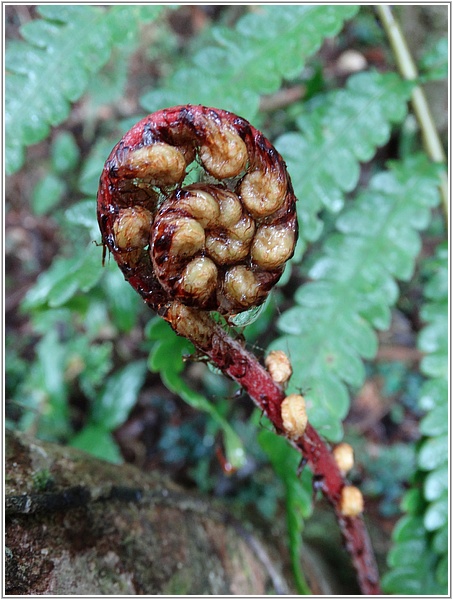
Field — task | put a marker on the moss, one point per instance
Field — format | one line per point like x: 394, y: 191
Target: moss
x: 43, y: 480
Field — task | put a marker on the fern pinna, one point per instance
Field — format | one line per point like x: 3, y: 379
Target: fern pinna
x: 335, y: 135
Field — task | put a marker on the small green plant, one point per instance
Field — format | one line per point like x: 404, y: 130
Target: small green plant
x: 89, y: 348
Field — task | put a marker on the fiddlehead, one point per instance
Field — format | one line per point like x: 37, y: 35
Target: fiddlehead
x: 219, y: 244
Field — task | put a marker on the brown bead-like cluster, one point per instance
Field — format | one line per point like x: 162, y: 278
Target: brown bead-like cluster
x: 351, y: 501
x: 218, y: 244
x: 279, y: 366
x: 294, y: 416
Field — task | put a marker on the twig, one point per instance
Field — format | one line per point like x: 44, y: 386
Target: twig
x: 408, y: 70
x: 282, y: 98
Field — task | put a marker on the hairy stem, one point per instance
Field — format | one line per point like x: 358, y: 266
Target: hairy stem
x: 236, y: 362
x: 408, y: 70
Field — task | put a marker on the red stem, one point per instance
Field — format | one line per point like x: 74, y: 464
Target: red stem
x: 235, y: 361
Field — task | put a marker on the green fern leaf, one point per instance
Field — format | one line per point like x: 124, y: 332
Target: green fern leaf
x: 251, y: 59
x: 330, y: 329
x: 426, y: 522
x: 336, y: 135
x: 52, y: 67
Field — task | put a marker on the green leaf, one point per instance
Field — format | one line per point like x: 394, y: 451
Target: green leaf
x: 432, y: 338
x: 47, y: 194
x: 434, y: 62
x: 92, y: 167
x: 95, y: 362
x: 336, y: 134
x: 415, y: 579
x: 403, y: 554
x: 97, y: 441
x: 436, y: 483
x: 52, y: 67
x: 442, y: 571
x: 51, y: 363
x: 124, y: 21
x: 167, y: 354
x: 412, y: 501
x: 124, y: 303
x: 436, y: 422
x: 408, y: 527
x: 436, y: 515
x: 65, y: 278
x: 112, y: 407
x: 433, y: 393
x: 441, y: 542
x: 433, y: 453
x: 64, y: 152
x: 250, y: 59
x: 109, y: 84
x: 42, y: 391
x: 84, y: 214
x: 166, y: 357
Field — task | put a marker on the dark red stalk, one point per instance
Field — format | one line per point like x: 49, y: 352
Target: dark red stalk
x: 235, y: 361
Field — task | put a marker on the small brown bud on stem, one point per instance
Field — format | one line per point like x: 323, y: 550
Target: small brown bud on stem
x: 344, y: 457
x: 294, y: 416
x: 279, y: 366
x: 351, y: 501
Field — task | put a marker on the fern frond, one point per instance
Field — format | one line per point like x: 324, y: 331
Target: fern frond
x: 330, y: 329
x: 338, y: 133
x: 251, y: 59
x: 52, y: 66
x: 425, y: 525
